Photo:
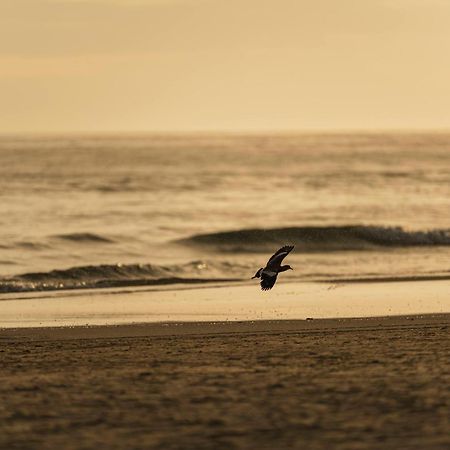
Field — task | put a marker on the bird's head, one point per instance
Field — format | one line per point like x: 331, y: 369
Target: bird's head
x: 284, y: 268
x: 289, y: 267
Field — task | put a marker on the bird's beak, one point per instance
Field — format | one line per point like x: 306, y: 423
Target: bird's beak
x: 253, y: 277
x: 291, y: 268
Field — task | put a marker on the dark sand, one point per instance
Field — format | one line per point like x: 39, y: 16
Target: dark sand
x: 322, y: 384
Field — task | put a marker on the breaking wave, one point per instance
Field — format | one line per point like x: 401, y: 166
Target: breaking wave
x: 117, y: 275
x: 310, y: 239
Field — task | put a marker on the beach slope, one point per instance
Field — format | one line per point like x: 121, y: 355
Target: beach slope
x: 317, y: 384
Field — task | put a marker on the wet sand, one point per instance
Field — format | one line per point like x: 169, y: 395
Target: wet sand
x: 241, y: 301
x: 365, y: 383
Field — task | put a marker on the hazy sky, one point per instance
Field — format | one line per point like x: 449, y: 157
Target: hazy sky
x: 124, y: 65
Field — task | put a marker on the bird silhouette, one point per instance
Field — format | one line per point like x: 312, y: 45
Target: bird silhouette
x: 273, y: 267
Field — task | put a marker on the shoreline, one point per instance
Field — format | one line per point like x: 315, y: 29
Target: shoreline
x: 200, y: 328
x: 197, y: 283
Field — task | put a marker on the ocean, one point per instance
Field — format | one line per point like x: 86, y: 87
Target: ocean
x: 129, y: 210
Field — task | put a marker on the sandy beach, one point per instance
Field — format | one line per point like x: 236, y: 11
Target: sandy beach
x: 317, y: 384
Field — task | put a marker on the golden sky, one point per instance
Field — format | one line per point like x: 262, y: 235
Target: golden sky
x: 158, y: 65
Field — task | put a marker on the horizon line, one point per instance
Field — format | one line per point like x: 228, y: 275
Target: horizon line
x: 219, y: 131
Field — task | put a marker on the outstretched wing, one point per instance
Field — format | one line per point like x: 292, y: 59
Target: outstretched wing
x: 276, y: 259
x: 268, y: 280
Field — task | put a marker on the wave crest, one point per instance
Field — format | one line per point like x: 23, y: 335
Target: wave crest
x: 330, y: 238
x: 116, y: 275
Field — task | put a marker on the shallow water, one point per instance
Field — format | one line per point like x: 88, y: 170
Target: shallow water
x: 131, y: 208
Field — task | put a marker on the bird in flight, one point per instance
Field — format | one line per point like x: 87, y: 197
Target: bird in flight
x: 273, y: 267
